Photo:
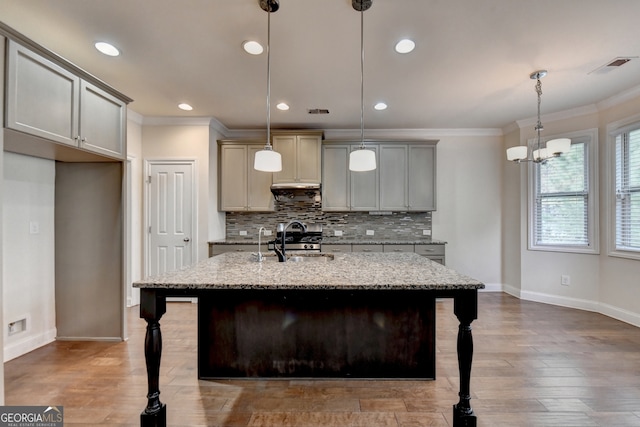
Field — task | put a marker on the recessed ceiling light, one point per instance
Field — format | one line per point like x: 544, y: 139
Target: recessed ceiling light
x: 405, y: 46
x: 282, y: 106
x: 184, y: 106
x: 107, y: 49
x: 252, y: 47
x: 380, y: 106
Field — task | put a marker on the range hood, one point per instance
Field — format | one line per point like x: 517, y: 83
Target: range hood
x: 293, y: 189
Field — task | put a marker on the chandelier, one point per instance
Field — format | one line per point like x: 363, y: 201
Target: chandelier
x: 540, y: 154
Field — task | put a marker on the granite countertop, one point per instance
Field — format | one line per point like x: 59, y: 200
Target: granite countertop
x: 240, y: 270
x: 339, y: 241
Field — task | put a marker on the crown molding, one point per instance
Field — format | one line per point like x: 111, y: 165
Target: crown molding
x: 176, y: 121
x: 560, y: 115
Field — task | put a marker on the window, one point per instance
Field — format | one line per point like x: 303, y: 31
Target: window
x: 563, y: 204
x: 627, y: 190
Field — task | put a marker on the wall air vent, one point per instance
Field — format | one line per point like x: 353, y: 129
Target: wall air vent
x: 318, y: 111
x: 614, y: 64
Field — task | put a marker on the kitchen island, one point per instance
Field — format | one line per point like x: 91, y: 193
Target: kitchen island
x: 371, y: 288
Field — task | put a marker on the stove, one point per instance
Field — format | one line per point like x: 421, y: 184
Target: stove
x: 299, y: 240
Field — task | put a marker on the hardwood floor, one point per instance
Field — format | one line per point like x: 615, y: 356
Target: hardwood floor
x: 534, y: 365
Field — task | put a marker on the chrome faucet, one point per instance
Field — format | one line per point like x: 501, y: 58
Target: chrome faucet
x: 260, y: 256
x: 281, y: 251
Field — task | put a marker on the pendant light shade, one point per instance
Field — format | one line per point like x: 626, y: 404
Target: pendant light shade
x: 267, y: 160
x: 362, y: 160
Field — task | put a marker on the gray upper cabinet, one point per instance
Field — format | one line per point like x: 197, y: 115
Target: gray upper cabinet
x: 47, y: 100
x: 421, y: 179
x: 405, y: 179
x: 301, y: 156
x: 242, y: 188
x: 335, y: 178
x: 393, y: 177
x: 343, y: 190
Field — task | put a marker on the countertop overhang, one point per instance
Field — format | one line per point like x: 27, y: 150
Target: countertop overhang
x: 350, y: 271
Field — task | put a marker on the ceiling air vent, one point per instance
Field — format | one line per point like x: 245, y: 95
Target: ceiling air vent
x: 318, y: 111
x: 613, y: 64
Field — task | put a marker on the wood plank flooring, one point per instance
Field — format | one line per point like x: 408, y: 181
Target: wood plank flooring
x: 534, y: 365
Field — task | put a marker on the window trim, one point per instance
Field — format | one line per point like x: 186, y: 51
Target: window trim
x: 590, y: 138
x: 614, y: 129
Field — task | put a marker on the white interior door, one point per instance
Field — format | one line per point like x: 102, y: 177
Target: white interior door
x: 170, y: 216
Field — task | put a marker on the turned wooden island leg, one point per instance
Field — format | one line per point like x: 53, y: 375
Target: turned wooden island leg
x: 152, y: 307
x: 466, y: 310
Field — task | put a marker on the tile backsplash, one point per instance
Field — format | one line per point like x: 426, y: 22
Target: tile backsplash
x: 354, y: 225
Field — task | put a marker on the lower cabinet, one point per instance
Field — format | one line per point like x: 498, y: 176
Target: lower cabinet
x: 217, y: 249
x: 435, y: 251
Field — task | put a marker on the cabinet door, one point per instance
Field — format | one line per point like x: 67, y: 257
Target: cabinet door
x: 286, y: 146
x: 259, y: 197
x: 422, y: 178
x: 233, y: 177
x: 364, y: 187
x: 308, y: 158
x: 335, y: 177
x: 42, y: 97
x: 393, y: 177
x: 102, y: 121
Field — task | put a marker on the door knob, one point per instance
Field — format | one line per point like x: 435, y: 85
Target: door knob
x: 186, y: 239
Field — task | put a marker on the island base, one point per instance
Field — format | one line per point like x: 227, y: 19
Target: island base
x: 317, y: 333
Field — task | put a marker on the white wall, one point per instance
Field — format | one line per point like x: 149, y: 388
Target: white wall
x: 469, y: 214
x: 135, y: 180
x: 28, y: 256
x: 216, y: 219
x: 188, y: 141
x: 600, y: 282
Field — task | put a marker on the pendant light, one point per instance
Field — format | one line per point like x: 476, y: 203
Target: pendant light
x: 267, y: 160
x: 362, y: 159
x: 554, y: 148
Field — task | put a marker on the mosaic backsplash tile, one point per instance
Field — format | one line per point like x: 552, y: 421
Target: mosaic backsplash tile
x: 354, y: 225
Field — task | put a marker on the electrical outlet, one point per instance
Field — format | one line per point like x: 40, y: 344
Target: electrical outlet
x: 267, y: 232
x: 337, y: 233
x: 565, y: 280
x: 426, y: 232
x: 34, y: 227
x: 243, y: 232
x: 370, y: 232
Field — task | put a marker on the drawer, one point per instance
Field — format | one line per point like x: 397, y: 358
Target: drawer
x: 336, y: 248
x: 430, y: 250
x: 366, y: 248
x: 398, y: 248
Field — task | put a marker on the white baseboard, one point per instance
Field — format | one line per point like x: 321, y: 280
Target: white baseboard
x: 577, y: 303
x: 25, y: 345
x: 620, y: 314
x: 491, y: 287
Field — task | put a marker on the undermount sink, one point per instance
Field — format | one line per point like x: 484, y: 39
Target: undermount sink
x: 321, y: 257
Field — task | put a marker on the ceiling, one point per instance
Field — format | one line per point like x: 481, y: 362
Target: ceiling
x: 470, y: 68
